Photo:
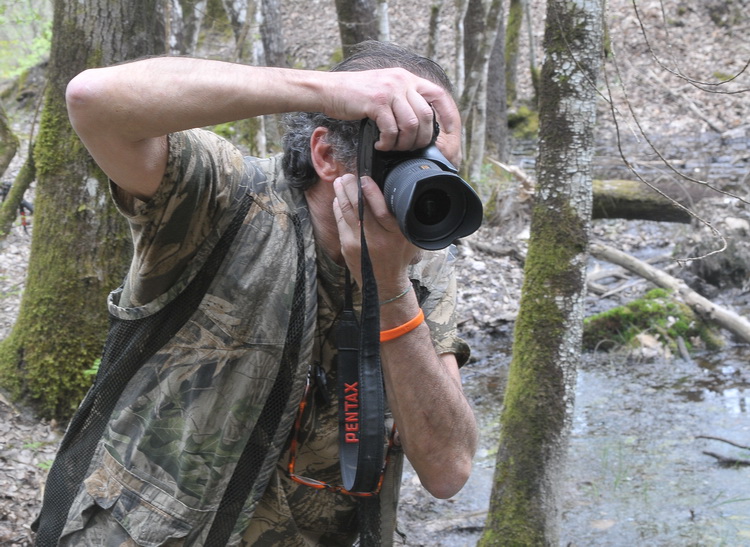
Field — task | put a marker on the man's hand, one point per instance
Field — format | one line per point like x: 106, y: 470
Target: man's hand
x: 401, y: 104
x: 390, y: 252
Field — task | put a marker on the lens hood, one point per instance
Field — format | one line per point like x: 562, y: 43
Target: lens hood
x: 433, y: 205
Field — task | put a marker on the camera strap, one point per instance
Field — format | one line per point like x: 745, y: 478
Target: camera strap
x: 360, y: 382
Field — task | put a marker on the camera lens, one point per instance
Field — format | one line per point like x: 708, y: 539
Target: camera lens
x: 432, y: 206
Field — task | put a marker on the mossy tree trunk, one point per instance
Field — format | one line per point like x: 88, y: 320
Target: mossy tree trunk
x: 535, y: 421
x: 516, y: 10
x: 8, y: 142
x: 11, y: 207
x: 80, y: 245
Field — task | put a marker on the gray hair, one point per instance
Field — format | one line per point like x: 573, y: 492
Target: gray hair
x: 343, y: 135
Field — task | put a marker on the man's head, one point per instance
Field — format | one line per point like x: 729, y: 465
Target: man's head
x: 342, y: 135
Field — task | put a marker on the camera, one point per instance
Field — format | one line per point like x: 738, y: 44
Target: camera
x: 433, y: 205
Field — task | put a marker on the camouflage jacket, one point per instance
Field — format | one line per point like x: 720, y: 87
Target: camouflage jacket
x: 190, y: 439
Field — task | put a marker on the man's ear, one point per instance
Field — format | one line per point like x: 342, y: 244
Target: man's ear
x: 321, y: 154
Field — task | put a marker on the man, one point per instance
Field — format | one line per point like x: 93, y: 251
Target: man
x: 203, y: 445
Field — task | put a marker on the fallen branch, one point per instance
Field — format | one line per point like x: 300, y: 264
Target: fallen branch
x: 723, y: 461
x: 709, y: 311
x: 509, y: 250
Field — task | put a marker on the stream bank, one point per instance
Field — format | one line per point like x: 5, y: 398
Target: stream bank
x: 637, y: 474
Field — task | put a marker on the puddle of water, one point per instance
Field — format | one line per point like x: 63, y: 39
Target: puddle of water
x: 637, y: 473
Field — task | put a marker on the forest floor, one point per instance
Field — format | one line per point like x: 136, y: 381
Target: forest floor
x: 694, y: 125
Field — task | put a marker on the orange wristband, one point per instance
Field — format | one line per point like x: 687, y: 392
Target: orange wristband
x: 392, y: 334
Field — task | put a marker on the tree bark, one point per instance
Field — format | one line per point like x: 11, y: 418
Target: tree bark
x: 8, y: 142
x: 272, y: 34
x: 384, y: 22
x: 185, y: 24
x: 433, y: 33
x: 80, y: 245
x: 497, y: 98
x: 11, y: 205
x: 459, y: 78
x: 358, y: 22
x: 482, y: 22
x: 476, y: 63
x: 516, y: 11
x: 536, y: 417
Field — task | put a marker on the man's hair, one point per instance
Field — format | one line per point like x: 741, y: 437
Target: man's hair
x: 343, y: 135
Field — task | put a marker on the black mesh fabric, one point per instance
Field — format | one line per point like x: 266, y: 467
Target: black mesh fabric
x: 129, y: 344
x: 368, y: 520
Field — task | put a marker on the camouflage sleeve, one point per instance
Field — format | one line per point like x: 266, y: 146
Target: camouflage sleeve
x: 437, y: 295
x: 188, y: 211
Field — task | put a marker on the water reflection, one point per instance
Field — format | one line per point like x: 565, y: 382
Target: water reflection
x: 724, y: 379
x: 639, y: 457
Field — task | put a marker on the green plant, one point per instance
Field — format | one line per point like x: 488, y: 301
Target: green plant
x: 25, y: 36
x: 524, y: 123
x: 94, y: 370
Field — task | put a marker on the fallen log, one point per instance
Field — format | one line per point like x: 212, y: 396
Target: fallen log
x: 633, y: 200
x: 709, y: 311
x: 615, y: 198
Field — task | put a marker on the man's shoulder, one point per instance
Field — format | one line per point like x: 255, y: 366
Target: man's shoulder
x: 266, y: 177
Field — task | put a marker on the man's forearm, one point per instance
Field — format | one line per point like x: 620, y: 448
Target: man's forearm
x: 433, y: 417
x: 152, y: 97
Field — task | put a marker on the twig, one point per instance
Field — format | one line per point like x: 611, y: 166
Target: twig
x: 720, y: 439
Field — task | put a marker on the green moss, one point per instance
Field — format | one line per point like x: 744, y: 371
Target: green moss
x: 529, y: 422
x: 658, y: 314
x: 524, y: 123
x: 79, y: 251
x: 722, y: 76
x: 51, y: 152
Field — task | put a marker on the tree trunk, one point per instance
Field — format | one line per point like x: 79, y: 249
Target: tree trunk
x: 237, y: 13
x: 535, y: 421
x: 459, y: 78
x: 272, y: 34
x: 482, y: 24
x: 185, y: 24
x: 476, y: 66
x: 358, y: 22
x: 384, y: 23
x: 497, y: 102
x: 433, y: 34
x: 8, y: 142
x: 80, y: 245
x: 512, y: 45
x: 12, y: 203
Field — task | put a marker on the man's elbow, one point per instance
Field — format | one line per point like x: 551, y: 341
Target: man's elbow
x: 81, y: 96
x: 445, y: 481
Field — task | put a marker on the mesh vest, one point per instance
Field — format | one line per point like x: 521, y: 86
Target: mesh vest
x: 193, y: 402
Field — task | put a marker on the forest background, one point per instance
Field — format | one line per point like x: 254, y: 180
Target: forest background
x: 662, y: 51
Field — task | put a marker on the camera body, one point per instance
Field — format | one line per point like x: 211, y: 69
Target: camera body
x: 433, y: 205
